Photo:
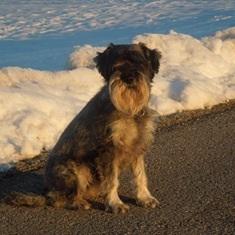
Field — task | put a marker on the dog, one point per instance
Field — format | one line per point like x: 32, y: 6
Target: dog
x: 112, y: 132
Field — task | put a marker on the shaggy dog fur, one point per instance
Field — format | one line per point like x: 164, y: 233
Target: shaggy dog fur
x: 113, y: 131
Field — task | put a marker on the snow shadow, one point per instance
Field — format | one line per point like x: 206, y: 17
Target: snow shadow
x: 177, y: 88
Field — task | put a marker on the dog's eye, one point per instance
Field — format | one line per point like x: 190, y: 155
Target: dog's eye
x: 115, y: 67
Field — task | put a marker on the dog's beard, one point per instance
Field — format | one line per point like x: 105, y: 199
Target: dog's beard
x: 126, y: 98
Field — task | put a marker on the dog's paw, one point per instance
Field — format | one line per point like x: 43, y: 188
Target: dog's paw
x: 149, y: 202
x: 79, y: 204
x: 119, y: 208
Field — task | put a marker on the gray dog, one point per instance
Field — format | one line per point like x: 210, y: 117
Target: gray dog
x: 113, y: 131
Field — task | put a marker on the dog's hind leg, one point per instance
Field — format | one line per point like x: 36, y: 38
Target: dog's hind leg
x: 144, y: 197
x: 68, y: 184
x: 84, y: 179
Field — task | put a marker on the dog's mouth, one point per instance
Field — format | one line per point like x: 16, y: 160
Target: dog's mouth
x: 129, y: 94
x: 131, y: 78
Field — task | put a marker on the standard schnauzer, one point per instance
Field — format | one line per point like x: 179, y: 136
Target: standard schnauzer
x: 112, y: 132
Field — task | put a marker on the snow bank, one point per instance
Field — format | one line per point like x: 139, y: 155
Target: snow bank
x: 194, y: 73
x: 83, y: 56
x: 36, y: 105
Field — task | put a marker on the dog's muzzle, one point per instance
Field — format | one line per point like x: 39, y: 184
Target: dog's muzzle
x: 130, y: 76
x: 129, y: 92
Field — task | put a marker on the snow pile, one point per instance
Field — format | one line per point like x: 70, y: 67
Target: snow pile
x: 194, y: 74
x: 36, y: 105
x: 223, y: 44
x: 83, y: 56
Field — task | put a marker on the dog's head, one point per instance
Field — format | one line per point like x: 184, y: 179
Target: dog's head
x: 129, y: 71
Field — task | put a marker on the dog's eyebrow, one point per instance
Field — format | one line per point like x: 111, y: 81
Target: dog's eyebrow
x: 121, y: 62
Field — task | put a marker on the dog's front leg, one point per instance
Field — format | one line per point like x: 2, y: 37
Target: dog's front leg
x: 144, y: 197
x: 113, y: 200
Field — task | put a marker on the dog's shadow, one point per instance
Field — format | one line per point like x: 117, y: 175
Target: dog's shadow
x: 33, y: 183
x: 23, y: 182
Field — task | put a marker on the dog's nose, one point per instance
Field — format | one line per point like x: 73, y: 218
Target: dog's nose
x: 129, y: 75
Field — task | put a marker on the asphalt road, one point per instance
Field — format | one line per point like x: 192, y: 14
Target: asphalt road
x: 191, y: 170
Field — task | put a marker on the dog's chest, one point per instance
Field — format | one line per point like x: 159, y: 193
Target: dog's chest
x: 129, y: 132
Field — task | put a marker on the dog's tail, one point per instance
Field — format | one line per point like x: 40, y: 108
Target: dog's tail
x: 51, y: 198
x: 29, y: 199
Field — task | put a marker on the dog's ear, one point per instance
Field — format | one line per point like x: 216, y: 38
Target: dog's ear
x: 102, y: 61
x: 153, y: 56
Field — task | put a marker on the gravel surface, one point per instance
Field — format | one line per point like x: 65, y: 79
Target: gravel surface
x: 191, y: 169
